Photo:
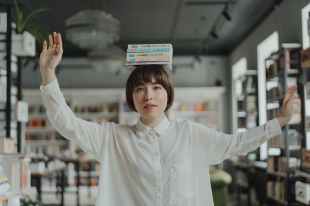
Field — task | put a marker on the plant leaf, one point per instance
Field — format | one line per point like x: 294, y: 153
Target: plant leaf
x: 31, y: 15
x: 19, y: 16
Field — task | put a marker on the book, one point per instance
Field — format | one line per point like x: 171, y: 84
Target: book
x: 141, y: 54
x: 3, y: 22
x: 135, y: 46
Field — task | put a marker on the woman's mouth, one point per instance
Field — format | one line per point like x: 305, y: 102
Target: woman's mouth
x: 149, y: 106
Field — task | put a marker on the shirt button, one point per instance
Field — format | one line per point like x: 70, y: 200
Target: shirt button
x: 173, y: 202
x: 158, y: 195
x: 173, y: 172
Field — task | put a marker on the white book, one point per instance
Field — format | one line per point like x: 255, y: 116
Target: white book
x: 150, y: 48
x: 130, y: 46
x: 3, y: 22
x: 142, y: 54
x: 291, y: 45
x: 168, y: 65
x: 3, y: 91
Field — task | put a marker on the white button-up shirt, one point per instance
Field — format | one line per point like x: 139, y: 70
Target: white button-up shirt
x: 161, y: 166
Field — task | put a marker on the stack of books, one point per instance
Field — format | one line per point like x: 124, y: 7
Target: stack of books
x: 140, y: 54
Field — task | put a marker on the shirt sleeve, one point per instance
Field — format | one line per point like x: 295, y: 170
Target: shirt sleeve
x: 214, y: 146
x: 90, y: 136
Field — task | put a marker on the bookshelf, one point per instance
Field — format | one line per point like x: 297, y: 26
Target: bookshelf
x: 246, y: 117
x: 13, y: 111
x: 247, y: 108
x: 283, y: 70
x: 8, y: 72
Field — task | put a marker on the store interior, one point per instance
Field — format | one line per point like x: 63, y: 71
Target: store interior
x: 233, y: 61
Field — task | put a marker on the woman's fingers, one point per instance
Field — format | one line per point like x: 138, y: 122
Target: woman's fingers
x: 54, y: 43
x: 44, y: 46
x: 59, y: 41
x: 50, y: 41
x: 55, y: 40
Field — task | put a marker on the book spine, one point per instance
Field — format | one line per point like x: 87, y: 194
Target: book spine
x: 149, y: 50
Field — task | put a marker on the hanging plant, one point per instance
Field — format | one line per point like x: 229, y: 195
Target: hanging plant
x: 26, y: 22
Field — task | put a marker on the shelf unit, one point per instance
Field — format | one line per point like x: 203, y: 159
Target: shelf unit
x: 13, y: 111
x: 283, y: 70
x: 246, y: 117
x: 9, y: 81
x: 247, y: 108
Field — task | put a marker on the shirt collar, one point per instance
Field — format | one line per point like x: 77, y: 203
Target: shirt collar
x: 160, y: 128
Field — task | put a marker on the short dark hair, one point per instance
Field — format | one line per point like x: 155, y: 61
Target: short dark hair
x: 144, y: 74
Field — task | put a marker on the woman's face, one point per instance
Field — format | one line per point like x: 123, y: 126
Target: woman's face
x: 150, y: 100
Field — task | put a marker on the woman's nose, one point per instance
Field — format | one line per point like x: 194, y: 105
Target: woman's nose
x: 148, y: 94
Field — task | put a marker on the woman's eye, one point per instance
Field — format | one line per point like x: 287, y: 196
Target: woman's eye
x: 138, y: 89
x: 157, y: 87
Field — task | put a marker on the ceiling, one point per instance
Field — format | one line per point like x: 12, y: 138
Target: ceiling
x: 187, y: 24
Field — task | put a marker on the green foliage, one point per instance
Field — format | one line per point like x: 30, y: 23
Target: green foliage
x: 25, y: 21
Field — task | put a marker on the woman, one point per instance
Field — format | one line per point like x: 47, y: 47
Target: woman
x: 156, y: 161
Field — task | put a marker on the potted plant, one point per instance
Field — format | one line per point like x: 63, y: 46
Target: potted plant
x: 27, y: 30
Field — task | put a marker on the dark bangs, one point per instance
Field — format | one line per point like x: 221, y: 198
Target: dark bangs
x: 148, y: 73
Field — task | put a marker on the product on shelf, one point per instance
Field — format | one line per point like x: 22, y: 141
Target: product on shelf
x: 7, y: 145
x: 302, y: 192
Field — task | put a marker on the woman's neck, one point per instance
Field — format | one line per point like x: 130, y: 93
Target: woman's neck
x: 152, y: 122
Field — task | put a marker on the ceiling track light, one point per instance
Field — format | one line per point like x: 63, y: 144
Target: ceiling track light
x: 226, y: 15
x: 225, y: 12
x: 214, y: 35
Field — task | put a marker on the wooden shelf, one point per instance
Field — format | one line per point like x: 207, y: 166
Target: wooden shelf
x: 40, y: 130
x: 242, y: 114
x: 37, y: 115
x: 302, y: 174
x: 293, y: 71
x: 282, y: 202
x: 241, y: 130
x: 277, y: 174
x: 274, y: 105
x: 47, y: 142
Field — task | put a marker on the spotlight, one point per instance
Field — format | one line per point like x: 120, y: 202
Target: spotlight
x: 214, y: 35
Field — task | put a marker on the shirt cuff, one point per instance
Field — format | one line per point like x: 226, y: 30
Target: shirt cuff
x: 273, y: 128
x: 50, y: 86
x: 52, y: 91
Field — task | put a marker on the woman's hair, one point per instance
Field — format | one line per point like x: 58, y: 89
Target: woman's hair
x: 145, y: 74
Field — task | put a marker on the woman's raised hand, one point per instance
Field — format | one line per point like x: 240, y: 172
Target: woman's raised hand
x: 50, y: 57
